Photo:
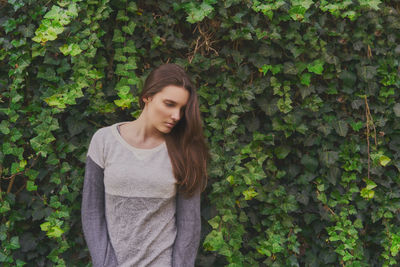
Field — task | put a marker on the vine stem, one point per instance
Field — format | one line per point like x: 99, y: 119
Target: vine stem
x: 11, y: 183
x: 12, y: 177
x: 1, y: 192
x: 369, y: 121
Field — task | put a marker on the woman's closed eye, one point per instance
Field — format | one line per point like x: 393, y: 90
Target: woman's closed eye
x: 173, y: 104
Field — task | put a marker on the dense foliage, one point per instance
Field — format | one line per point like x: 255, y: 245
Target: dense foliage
x: 301, y: 106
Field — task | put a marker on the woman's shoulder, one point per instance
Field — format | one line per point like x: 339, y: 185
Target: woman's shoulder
x: 102, y: 133
x: 101, y: 141
x: 106, y: 129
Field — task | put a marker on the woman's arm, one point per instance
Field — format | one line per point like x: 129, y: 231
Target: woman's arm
x: 93, y: 217
x: 188, y: 224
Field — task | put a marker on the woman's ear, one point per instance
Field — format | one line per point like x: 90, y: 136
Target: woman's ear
x: 147, y: 99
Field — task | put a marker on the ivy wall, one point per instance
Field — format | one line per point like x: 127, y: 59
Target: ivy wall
x: 301, y: 106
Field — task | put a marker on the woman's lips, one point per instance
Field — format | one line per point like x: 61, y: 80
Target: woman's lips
x: 170, y: 125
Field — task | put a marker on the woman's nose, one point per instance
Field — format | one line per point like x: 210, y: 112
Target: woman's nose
x: 176, y: 115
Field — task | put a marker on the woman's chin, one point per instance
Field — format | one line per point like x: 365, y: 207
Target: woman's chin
x: 165, y: 129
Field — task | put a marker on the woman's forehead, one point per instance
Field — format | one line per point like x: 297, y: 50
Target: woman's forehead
x: 174, y: 93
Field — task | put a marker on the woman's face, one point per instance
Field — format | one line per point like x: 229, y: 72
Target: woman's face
x: 166, y: 108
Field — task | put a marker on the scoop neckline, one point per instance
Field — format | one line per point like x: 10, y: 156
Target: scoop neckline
x: 129, y: 146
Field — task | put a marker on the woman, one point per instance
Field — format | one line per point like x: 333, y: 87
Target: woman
x: 143, y: 179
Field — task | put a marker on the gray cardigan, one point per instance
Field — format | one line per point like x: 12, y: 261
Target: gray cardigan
x: 97, y: 236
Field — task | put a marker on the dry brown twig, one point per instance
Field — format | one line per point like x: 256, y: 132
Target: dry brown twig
x: 203, y: 43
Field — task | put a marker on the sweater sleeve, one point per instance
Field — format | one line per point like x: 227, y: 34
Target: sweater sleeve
x: 93, y: 217
x: 188, y: 224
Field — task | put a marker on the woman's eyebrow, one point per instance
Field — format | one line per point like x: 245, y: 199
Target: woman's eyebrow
x: 172, y: 101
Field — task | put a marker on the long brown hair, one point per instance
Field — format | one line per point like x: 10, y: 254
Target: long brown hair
x: 186, y: 144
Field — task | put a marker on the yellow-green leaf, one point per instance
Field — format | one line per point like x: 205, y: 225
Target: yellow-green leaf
x: 384, y: 160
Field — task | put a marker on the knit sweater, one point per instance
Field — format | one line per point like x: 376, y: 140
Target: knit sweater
x: 132, y: 214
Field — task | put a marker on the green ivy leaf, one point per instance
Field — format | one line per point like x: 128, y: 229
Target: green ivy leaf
x: 132, y: 7
x: 290, y: 68
x: 358, y: 224
x: 329, y: 157
x: 32, y: 174
x: 305, y: 79
x: 367, y: 194
x: 309, y: 162
x: 129, y: 48
x: 282, y: 151
x: 317, y: 66
x: 297, y: 12
x: 123, y: 90
x: 367, y: 191
x: 123, y: 103
x: 18, y: 43
x: 367, y: 73
x: 374, y: 4
x: 215, y: 222
x: 20, y: 263
x: 72, y: 10
x: 14, y: 242
x: 357, y: 126
x: 303, y: 3
x: 55, y: 231
x: 130, y: 28
x: 230, y: 179
x: 64, y: 190
x: 249, y: 193
x: 396, y: 109
x: 30, y: 186
x: 71, y: 49
x: 395, y: 246
x: 9, y: 25
x: 131, y: 65
x: 341, y: 128
x: 157, y: 41
x: 55, y: 178
x: 370, y: 184
x: 265, y: 68
x: 118, y: 38
x: 384, y: 160
x: 198, y: 13
x: 121, y: 16
x: 75, y: 50
x: 214, y: 241
x: 16, y: 4
x: 4, y: 127
x: 55, y: 13
x: 65, y: 167
x: 322, y: 197
x: 56, y: 100
x: 4, y: 206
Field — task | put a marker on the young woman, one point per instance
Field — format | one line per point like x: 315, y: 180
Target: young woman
x: 143, y: 179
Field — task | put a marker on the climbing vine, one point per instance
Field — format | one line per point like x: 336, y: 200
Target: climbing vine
x: 300, y: 102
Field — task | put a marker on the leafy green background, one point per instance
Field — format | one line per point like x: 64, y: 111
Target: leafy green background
x: 301, y: 107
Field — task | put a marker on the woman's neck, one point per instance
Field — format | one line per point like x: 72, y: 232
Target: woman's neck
x: 139, y: 133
